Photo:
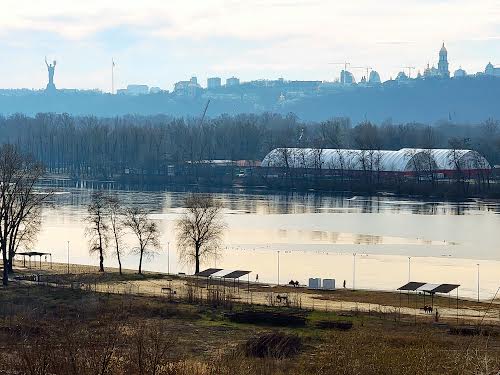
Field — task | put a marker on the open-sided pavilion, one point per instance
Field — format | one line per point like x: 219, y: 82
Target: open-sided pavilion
x: 35, y: 254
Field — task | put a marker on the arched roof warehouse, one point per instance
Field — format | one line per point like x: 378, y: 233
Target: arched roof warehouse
x: 404, y: 160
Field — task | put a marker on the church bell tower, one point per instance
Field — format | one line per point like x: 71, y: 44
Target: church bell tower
x: 443, y: 62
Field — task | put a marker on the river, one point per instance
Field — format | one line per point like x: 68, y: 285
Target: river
x: 313, y: 235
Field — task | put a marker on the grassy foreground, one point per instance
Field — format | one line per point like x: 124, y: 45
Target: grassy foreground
x: 46, y: 330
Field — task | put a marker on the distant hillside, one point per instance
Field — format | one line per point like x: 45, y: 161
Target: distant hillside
x: 458, y: 100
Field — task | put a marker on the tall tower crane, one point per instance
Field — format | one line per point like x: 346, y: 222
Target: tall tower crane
x: 346, y: 64
x: 368, y: 68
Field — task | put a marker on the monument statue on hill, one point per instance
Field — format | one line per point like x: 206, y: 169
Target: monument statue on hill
x: 51, y: 69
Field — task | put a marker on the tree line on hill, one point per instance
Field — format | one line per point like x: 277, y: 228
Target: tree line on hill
x: 102, y: 147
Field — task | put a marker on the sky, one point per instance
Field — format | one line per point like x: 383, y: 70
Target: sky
x: 159, y: 42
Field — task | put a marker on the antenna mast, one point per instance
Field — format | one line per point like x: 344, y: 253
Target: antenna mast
x: 112, y: 76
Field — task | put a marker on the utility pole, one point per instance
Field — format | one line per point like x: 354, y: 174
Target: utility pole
x: 168, y: 258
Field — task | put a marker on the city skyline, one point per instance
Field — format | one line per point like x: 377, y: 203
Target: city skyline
x: 220, y: 39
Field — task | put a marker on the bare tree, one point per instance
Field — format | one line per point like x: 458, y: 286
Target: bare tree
x: 200, y: 230
x: 24, y: 235
x: 97, y: 228
x: 456, y: 161
x: 116, y: 226
x: 20, y: 203
x: 146, y: 231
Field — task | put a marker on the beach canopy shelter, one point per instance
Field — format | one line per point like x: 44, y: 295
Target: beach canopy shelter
x: 411, y: 286
x: 445, y: 288
x: 236, y: 274
x: 222, y: 274
x: 429, y: 288
x: 208, y: 272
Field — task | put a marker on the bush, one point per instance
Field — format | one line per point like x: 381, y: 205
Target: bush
x: 276, y: 319
x: 338, y: 325
x: 273, y: 345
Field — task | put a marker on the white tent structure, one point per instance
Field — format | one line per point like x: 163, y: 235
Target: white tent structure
x: 404, y: 160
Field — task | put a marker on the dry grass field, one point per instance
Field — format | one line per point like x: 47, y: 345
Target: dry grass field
x: 59, y: 330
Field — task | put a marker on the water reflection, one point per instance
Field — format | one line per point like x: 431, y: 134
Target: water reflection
x: 244, y: 202
x: 316, y: 234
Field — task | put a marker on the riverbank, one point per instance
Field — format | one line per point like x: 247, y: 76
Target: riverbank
x: 86, y: 320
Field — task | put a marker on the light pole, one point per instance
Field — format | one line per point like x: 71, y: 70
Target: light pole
x: 168, y: 258
x: 68, y: 257
x: 278, y: 267
x: 354, y: 271
x: 409, y: 269
x: 477, y: 282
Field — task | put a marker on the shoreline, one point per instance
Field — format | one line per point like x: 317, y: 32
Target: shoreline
x: 153, y: 284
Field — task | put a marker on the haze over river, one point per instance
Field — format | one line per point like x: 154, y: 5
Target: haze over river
x: 316, y: 236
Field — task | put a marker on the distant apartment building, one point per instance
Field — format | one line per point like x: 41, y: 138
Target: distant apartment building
x: 155, y: 90
x: 233, y: 81
x: 214, y: 83
x: 134, y: 90
x: 187, y: 88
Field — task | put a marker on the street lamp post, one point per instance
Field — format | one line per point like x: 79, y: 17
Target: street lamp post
x: 477, y: 282
x: 409, y: 269
x: 68, y: 257
x: 168, y: 258
x: 278, y: 267
x: 354, y: 272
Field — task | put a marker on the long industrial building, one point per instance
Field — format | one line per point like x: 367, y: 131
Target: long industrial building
x: 408, y: 161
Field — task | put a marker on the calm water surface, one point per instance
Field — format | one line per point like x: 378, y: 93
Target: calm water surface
x: 316, y: 236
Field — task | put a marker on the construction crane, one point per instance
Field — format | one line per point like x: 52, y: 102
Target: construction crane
x: 368, y: 68
x: 204, y: 112
x: 345, y: 63
x: 410, y: 68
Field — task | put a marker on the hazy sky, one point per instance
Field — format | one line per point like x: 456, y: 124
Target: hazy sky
x: 158, y: 42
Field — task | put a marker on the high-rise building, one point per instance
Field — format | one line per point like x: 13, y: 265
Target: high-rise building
x: 233, y: 81
x: 347, y: 78
x: 374, y: 78
x: 443, y: 63
x: 214, y: 83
